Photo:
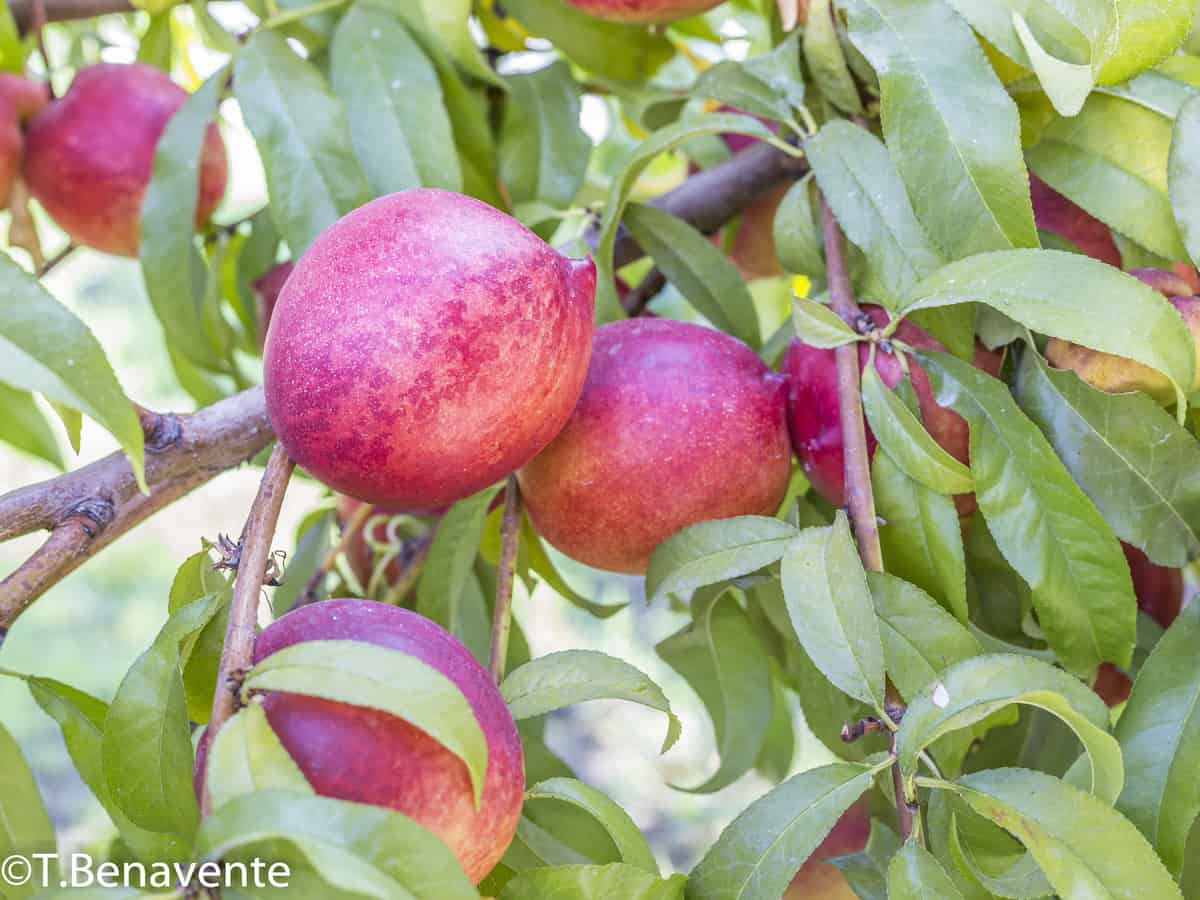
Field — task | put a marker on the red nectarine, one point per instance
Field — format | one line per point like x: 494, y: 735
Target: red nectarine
x: 677, y: 424
x: 425, y: 346
x: 1056, y: 214
x: 643, y: 12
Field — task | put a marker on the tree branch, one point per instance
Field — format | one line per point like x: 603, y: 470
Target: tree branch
x: 66, y: 10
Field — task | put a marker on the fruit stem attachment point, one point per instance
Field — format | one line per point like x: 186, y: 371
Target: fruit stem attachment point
x: 238, y: 651
x: 510, y: 541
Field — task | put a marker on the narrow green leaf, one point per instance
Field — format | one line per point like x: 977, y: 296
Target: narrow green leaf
x: 904, y: 438
x: 247, y: 756
x: 449, y: 21
x: 1140, y: 468
x: 763, y: 848
x: 1159, y: 732
x: 703, y: 274
x: 300, y: 127
x: 951, y: 127
x: 1150, y: 31
x: 826, y: 61
x: 797, y: 238
x: 380, y: 678
x: 24, y: 426
x: 575, y: 676
x: 829, y: 603
x: 630, y: 842
x: 915, y: 874
x: 710, y: 552
x: 398, y: 124
x: 721, y: 657
x: 1106, y: 859
x: 735, y: 85
x: 1042, y: 522
x: 25, y: 827
x: 971, y: 690
x: 1183, y: 175
x: 45, y: 348
x: 592, y: 883
x: 1066, y: 84
x: 860, y: 181
x: 819, y: 326
x: 367, y: 851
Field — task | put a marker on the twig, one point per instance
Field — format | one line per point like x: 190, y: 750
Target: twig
x: 255, y: 551
x: 636, y: 298
x: 66, y: 10
x: 510, y: 539
x: 52, y: 263
x: 353, y: 527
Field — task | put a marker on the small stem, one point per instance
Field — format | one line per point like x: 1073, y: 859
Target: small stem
x: 415, y: 557
x: 638, y: 297
x: 904, y: 812
x: 353, y: 527
x: 295, y: 15
x: 510, y: 539
x: 254, y: 551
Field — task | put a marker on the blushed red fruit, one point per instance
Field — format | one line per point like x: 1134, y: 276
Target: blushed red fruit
x: 1112, y: 685
x: 20, y: 99
x: 1056, y: 214
x: 820, y: 880
x: 88, y: 156
x: 1159, y: 589
x: 643, y: 12
x: 815, y: 421
x: 367, y: 756
x: 425, y: 346
x: 677, y: 424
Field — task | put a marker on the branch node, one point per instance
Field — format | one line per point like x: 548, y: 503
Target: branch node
x: 95, y: 510
x: 161, y: 430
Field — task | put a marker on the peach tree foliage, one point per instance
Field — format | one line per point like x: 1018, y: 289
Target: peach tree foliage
x: 971, y: 664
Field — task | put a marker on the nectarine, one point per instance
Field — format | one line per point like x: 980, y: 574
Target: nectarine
x: 677, y: 424
x: 367, y: 756
x: 88, y: 156
x: 643, y: 12
x: 1056, y: 214
x: 20, y: 99
x: 425, y: 346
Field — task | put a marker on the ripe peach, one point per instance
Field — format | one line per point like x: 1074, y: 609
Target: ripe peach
x: 20, y: 99
x: 425, y: 346
x: 815, y: 420
x: 367, y: 756
x: 677, y: 424
x: 1159, y: 590
x: 819, y: 880
x: 1056, y: 214
x: 643, y: 12
x: 89, y: 155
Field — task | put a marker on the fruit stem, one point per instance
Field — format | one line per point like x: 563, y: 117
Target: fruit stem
x: 253, y: 552
x: 510, y: 540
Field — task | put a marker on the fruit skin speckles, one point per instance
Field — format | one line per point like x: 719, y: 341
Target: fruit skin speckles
x: 643, y: 12
x: 677, y: 424
x: 425, y: 347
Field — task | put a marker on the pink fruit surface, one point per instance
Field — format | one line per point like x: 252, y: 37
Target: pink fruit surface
x: 367, y: 756
x: 677, y: 424
x: 88, y: 156
x: 643, y: 12
x: 425, y: 346
x: 1056, y: 214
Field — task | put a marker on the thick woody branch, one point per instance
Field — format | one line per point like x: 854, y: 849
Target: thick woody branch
x: 65, y: 10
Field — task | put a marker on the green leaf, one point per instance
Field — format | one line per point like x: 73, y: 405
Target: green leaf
x: 1150, y: 31
x: 819, y: 326
x: 714, y: 551
x: 903, y: 437
x: 720, y: 656
x: 592, y: 883
x: 1183, y: 175
x: 920, y: 535
x: 630, y: 843
x: 779, y: 746
x: 448, y: 592
x: 147, y: 745
x: 380, y: 678
x: 1067, y: 84
x: 866, y: 871
x: 861, y: 184
x: 735, y: 85
x: 1159, y: 733
x: 1121, y: 183
x: 574, y: 676
x: 608, y: 307
x: 915, y: 874
x: 1127, y: 453
x: 398, y: 124
x: 13, y: 51
x: 952, y: 129
x: 829, y: 603
x: 1106, y: 859
x: 25, y: 827
x: 1156, y: 91
x: 312, y: 175
x: 798, y: 241
x: 826, y: 61
x: 533, y: 559
x: 703, y: 274
x: 543, y: 150
x: 246, y: 756
x: 920, y: 639
x: 975, y: 688
x: 764, y: 847
x: 1042, y: 522
x: 448, y: 21
x: 620, y: 52
x: 24, y: 426
x: 45, y: 348
x: 365, y: 850
x: 314, y: 540
x: 1039, y: 289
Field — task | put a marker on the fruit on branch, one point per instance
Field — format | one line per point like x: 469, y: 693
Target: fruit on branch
x: 677, y: 424
x: 20, y: 100
x: 1054, y: 213
x: 1116, y: 374
x: 89, y: 155
x: 368, y: 756
x: 425, y: 346
x: 266, y: 292
x: 1112, y: 685
x: 820, y: 880
x: 815, y: 421
x: 1159, y: 589
x: 643, y: 12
